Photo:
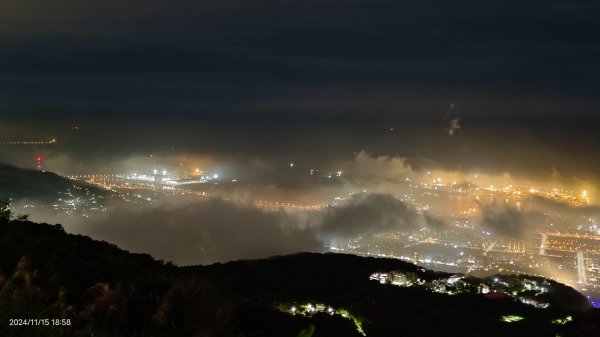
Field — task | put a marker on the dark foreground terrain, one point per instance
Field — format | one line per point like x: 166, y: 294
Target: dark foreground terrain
x: 98, y: 289
x: 25, y: 184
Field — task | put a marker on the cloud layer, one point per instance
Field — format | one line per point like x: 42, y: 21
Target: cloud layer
x: 216, y: 230
x: 203, y: 232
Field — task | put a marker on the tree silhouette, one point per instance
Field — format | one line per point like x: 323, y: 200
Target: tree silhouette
x: 5, y: 212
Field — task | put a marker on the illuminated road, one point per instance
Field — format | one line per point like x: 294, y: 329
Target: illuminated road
x: 109, y: 181
x: 28, y: 142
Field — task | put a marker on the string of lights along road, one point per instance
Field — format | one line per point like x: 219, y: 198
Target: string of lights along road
x: 29, y: 142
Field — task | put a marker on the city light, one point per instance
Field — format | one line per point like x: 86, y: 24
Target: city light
x: 511, y: 318
x: 447, y: 178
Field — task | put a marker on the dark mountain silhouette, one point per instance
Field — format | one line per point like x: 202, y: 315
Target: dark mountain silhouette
x: 19, y: 183
x: 105, y: 291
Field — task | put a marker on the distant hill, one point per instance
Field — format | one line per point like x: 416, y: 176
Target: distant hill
x: 105, y: 291
x: 18, y: 183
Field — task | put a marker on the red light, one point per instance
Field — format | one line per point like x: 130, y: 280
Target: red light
x: 39, y: 162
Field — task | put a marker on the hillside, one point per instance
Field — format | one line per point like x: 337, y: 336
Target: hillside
x: 105, y: 291
x: 18, y: 183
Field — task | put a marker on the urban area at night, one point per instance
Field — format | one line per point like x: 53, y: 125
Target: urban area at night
x: 329, y: 168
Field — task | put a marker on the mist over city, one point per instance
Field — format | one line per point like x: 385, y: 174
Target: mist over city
x: 457, y: 142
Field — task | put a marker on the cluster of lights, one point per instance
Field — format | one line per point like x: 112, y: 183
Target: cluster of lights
x: 309, y: 309
x: 458, y: 283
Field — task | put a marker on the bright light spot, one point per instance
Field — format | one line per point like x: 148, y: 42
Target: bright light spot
x: 511, y: 318
x: 562, y: 321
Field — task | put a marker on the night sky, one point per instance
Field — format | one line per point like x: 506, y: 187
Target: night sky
x: 309, y: 80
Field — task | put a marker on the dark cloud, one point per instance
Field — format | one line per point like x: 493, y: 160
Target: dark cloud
x: 535, y: 213
x: 326, y: 56
x: 202, y: 232
x: 216, y: 230
x: 573, y: 214
x: 365, y: 214
x: 504, y: 220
